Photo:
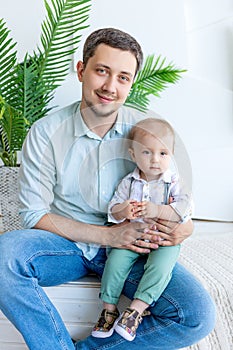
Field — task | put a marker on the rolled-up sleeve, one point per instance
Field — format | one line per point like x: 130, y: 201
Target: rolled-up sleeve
x: 37, y: 177
x: 121, y: 195
x: 182, y: 201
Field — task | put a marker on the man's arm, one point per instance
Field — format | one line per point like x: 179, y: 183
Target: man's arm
x: 121, y: 235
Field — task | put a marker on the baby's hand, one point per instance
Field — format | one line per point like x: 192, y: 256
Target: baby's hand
x: 131, y: 209
x: 126, y: 210
x: 147, y: 210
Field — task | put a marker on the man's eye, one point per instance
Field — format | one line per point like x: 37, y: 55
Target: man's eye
x: 101, y: 70
x: 124, y: 78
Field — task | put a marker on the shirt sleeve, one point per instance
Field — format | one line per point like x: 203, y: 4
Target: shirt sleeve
x: 181, y: 199
x: 37, y: 177
x: 120, y: 195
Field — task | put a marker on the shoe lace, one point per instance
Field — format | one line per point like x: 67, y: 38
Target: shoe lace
x: 104, y: 317
x: 134, y: 315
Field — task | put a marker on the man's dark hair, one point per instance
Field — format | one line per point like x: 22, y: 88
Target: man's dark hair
x: 114, y: 38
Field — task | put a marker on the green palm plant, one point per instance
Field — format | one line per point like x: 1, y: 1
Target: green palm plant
x: 26, y: 88
x: 153, y: 78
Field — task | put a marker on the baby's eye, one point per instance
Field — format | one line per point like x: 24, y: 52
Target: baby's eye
x: 146, y: 152
x: 163, y: 154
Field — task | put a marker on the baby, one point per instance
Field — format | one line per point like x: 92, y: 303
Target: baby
x: 152, y: 190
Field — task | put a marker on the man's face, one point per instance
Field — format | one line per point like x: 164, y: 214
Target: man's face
x: 106, y: 79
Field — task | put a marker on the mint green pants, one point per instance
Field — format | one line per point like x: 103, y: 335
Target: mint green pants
x: 157, y: 273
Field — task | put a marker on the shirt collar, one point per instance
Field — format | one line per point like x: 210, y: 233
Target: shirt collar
x: 166, y: 177
x: 81, y: 129
x: 118, y: 126
x: 135, y: 174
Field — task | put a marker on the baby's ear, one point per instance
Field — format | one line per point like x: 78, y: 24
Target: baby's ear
x: 131, y: 153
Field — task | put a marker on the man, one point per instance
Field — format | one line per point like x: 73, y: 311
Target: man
x: 71, y: 163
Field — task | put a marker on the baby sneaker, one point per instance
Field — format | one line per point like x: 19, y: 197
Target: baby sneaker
x: 129, y: 322
x: 105, y: 324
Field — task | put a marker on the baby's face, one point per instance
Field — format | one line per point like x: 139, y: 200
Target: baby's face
x: 152, y: 155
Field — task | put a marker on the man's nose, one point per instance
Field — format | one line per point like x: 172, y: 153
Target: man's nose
x: 110, y: 85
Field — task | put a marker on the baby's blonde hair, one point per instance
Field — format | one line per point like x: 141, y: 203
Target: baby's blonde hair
x: 152, y: 126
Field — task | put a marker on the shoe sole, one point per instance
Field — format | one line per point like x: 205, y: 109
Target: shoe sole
x: 123, y: 333
x: 98, y: 334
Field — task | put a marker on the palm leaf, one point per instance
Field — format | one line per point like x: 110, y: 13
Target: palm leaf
x: 12, y: 132
x: 37, y: 77
x: 153, y: 78
x: 50, y: 64
x: 32, y: 94
x: 27, y: 88
x: 60, y: 37
x: 7, y: 63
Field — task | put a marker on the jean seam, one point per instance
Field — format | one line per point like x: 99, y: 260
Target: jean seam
x: 98, y: 265
x: 132, y: 281
x: 176, y: 305
x: 109, y: 345
x: 40, y: 296
x: 51, y: 317
x: 153, y: 329
x: 49, y: 253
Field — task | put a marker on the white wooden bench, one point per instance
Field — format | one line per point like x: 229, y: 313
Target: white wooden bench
x: 208, y: 254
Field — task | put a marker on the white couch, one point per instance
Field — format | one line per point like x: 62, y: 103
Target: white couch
x: 208, y: 254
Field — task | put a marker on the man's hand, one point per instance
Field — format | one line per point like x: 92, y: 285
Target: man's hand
x: 135, y: 236
x: 169, y: 232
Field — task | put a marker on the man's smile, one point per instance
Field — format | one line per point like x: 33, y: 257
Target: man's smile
x: 105, y: 98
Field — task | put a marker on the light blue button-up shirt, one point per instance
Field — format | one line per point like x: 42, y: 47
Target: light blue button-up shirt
x: 68, y: 170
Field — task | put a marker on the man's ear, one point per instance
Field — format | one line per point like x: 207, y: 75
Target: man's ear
x: 80, y: 69
x: 131, y: 152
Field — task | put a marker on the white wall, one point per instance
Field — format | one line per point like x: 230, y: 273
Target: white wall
x: 201, y: 105
x: 194, y: 34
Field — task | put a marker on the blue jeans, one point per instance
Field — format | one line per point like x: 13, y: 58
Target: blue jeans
x: 31, y: 259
